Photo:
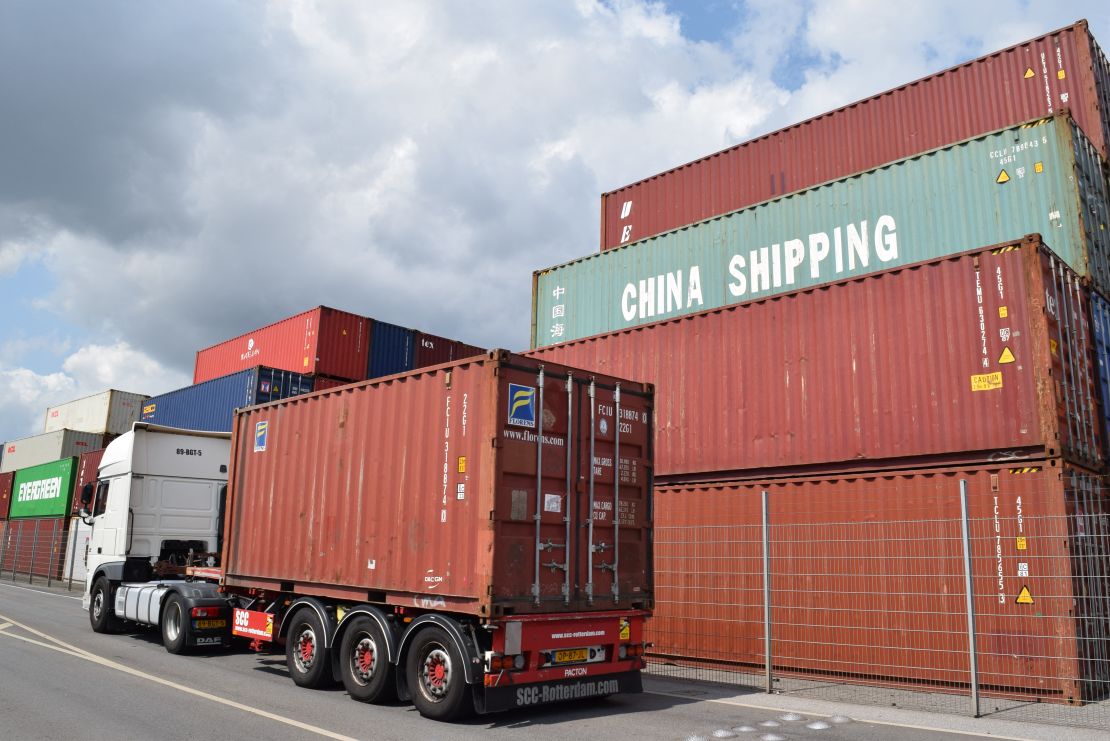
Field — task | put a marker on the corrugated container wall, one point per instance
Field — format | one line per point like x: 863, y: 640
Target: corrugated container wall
x: 322, y: 340
x: 321, y: 383
x: 211, y: 405
x: 391, y: 349
x: 432, y: 350
x: 5, y: 493
x: 1063, y: 69
x: 111, y: 412
x: 34, y: 546
x: 87, y: 469
x: 916, y: 209
x: 49, y: 446
x: 868, y: 584
x: 1100, y: 318
x: 346, y: 466
x: 874, y: 371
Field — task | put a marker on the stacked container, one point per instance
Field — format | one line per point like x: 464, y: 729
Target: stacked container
x: 110, y: 412
x: 50, y: 446
x: 35, y: 536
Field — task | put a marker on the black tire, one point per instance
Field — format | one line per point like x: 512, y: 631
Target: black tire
x: 100, y: 607
x: 436, y: 677
x: 175, y: 625
x: 364, y: 662
x: 308, y: 661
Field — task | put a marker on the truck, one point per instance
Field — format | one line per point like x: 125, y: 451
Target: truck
x: 473, y: 536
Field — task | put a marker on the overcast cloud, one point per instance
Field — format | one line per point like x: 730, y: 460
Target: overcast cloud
x: 176, y: 173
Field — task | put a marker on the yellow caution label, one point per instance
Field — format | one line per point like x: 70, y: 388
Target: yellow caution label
x: 626, y: 630
x: 1028, y: 73
x: 1022, y: 544
x: 1007, y: 356
x: 1024, y: 598
x: 1003, y: 312
x: 462, y: 464
x: 1060, y: 74
x: 1030, y: 469
x: 986, y: 381
x: 1003, y: 177
x: 305, y: 361
x: 1038, y: 167
x: 1052, y: 345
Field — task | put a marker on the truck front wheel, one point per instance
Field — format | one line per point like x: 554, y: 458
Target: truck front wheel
x: 305, y: 653
x: 365, y: 668
x: 174, y: 625
x: 434, y: 670
x: 100, y: 607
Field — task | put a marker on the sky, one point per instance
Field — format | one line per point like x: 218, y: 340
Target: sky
x: 177, y: 173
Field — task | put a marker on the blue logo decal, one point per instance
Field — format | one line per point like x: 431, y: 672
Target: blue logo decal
x: 522, y: 405
x: 260, y: 430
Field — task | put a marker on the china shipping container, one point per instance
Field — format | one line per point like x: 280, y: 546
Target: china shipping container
x: 333, y: 474
x: 49, y: 446
x: 912, y: 210
x: 971, y: 355
x: 111, y: 412
x: 5, y: 493
x: 1062, y: 69
x: 322, y: 340
x: 210, y: 405
x: 391, y: 349
x: 88, y: 466
x: 34, y: 546
x: 433, y: 350
x: 868, y: 580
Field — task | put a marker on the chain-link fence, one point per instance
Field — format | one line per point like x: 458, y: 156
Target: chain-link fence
x: 40, y: 548
x: 979, y: 590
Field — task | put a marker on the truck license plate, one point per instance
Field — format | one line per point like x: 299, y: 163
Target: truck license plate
x: 571, y: 655
x: 208, y: 624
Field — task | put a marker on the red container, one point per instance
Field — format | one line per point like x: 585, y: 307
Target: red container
x: 88, y: 466
x: 433, y: 350
x: 976, y: 354
x: 1063, y: 69
x: 421, y: 490
x: 321, y: 383
x: 34, y: 546
x: 867, y: 577
x: 6, y: 493
x: 322, y: 340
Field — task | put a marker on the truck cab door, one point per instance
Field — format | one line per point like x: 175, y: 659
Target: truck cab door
x: 105, y: 525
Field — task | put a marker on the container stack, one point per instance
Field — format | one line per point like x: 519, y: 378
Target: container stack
x: 855, y: 313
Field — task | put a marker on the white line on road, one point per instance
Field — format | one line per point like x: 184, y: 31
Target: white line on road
x: 5, y: 625
x: 82, y: 654
x: 39, y: 591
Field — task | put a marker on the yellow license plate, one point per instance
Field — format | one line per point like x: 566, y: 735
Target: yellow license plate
x: 571, y: 655
x: 206, y: 624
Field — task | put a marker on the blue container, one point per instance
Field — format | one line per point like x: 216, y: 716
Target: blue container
x: 211, y: 405
x: 1100, y: 318
x: 391, y: 349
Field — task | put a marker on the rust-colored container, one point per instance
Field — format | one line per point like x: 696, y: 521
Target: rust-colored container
x: 34, y: 546
x: 867, y: 577
x: 421, y: 490
x: 1062, y: 69
x: 322, y: 383
x: 984, y: 353
x: 88, y: 466
x: 322, y: 340
x: 433, y: 350
x: 6, y: 493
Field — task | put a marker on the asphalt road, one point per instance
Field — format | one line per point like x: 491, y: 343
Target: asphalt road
x: 59, y: 680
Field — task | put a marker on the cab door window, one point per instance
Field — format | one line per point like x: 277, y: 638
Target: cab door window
x: 100, y: 503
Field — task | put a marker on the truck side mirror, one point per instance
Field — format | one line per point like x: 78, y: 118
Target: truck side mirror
x: 86, y: 498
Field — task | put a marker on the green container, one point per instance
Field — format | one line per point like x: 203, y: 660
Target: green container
x: 43, y: 491
x: 1041, y: 177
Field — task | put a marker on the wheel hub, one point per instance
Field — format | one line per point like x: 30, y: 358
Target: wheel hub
x: 306, y: 650
x: 437, y: 673
x: 365, y: 658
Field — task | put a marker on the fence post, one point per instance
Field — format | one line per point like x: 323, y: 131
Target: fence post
x: 973, y: 654
x: 53, y: 545
x: 767, y: 592
x: 34, y: 547
x: 3, y: 543
x: 72, y: 553
x: 18, y: 547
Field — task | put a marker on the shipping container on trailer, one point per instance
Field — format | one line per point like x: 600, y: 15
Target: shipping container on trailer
x: 1062, y: 69
x: 49, y: 446
x: 984, y: 353
x: 322, y: 340
x: 5, y: 493
x: 88, y: 465
x: 433, y: 350
x: 392, y: 348
x: 868, y: 579
x: 1042, y: 177
x: 210, y: 406
x: 34, y: 546
x: 453, y: 452
x: 112, y: 412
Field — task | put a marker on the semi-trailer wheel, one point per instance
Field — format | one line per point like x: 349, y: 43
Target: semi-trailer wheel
x: 174, y: 625
x: 434, y: 670
x: 365, y: 669
x: 305, y: 654
x: 100, y: 607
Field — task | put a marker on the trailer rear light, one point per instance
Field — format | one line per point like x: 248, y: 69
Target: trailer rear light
x: 625, y: 651
x: 205, y: 612
x: 506, y: 663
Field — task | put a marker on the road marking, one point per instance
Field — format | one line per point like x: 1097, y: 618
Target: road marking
x: 5, y: 625
x: 66, y: 648
x: 726, y: 701
x: 39, y: 591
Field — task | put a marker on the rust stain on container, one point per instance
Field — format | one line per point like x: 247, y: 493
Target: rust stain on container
x: 421, y: 490
x: 1062, y: 69
x: 980, y: 353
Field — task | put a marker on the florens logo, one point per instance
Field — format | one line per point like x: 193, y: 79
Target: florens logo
x: 522, y: 405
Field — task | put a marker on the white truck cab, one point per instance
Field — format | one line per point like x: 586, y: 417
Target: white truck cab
x: 158, y: 499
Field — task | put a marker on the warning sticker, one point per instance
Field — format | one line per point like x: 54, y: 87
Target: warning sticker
x: 1038, y: 167
x: 1003, y: 177
x: 1024, y: 597
x: 1023, y: 569
x: 1052, y: 346
x: 462, y: 464
x: 986, y: 381
x: 552, y: 503
x: 1028, y: 73
x: 1007, y: 356
x: 626, y: 630
x: 1060, y: 74
x: 1022, y: 543
x: 1003, y: 312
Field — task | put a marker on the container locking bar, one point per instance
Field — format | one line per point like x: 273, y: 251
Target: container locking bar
x: 539, y: 483
x: 616, y: 492
x: 590, y: 510
x: 569, y: 489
